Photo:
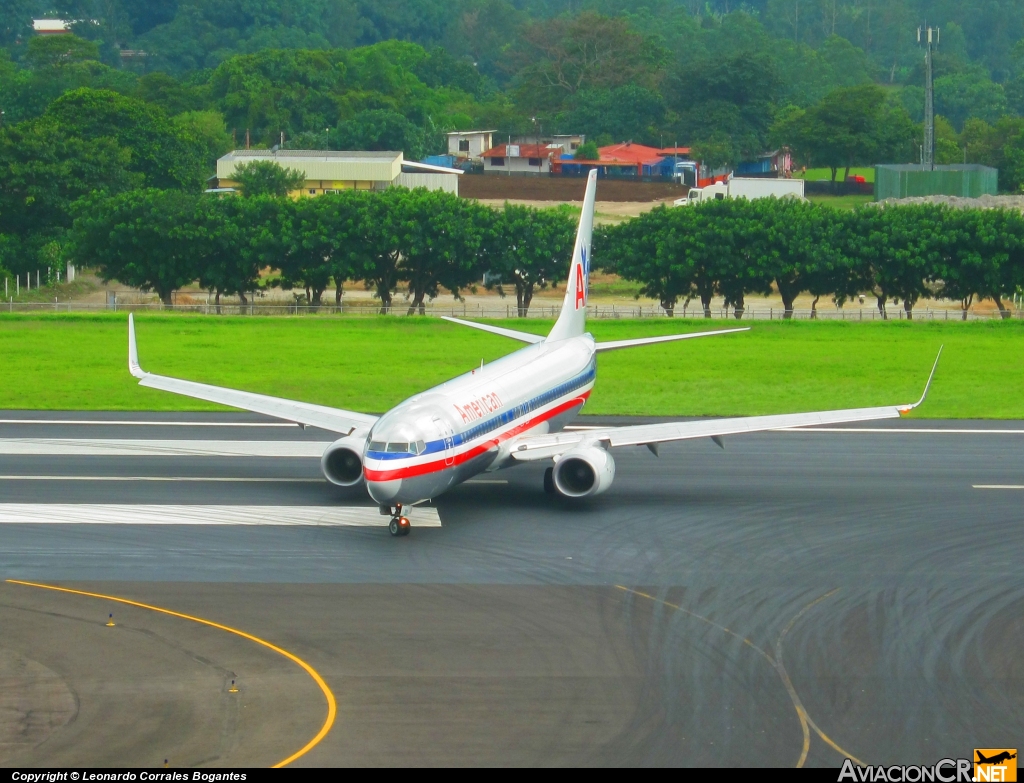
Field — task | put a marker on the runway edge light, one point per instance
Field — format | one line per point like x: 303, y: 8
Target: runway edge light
x: 110, y: 620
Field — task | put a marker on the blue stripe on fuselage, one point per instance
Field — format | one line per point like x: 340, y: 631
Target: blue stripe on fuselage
x: 501, y: 419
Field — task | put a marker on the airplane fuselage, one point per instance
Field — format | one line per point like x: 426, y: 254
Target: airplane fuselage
x: 445, y: 435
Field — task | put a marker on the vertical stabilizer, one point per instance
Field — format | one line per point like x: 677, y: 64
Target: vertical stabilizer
x: 572, y: 321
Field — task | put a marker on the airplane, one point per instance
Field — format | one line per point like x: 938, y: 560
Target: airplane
x: 511, y: 411
x: 996, y: 759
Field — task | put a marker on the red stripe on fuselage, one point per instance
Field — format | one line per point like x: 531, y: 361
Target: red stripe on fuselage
x: 441, y: 464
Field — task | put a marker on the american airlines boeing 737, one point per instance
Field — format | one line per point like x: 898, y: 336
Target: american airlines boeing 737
x: 510, y: 411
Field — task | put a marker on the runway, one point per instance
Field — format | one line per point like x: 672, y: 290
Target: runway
x: 795, y: 598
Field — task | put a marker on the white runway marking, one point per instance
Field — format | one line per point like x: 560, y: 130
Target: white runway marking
x: 893, y: 431
x: 998, y: 486
x: 226, y: 480
x: 114, y: 422
x: 157, y: 448
x: 117, y: 514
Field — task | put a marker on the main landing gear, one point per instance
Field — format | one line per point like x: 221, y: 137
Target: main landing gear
x: 399, y: 524
x: 549, y: 481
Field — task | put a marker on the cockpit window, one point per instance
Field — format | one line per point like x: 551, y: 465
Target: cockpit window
x: 377, y: 445
x: 420, y: 447
x: 398, y: 448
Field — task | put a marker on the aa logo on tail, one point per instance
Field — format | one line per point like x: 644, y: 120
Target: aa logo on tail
x: 995, y: 764
x: 582, y: 278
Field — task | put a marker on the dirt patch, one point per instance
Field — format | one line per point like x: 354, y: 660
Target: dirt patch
x: 982, y: 202
x: 496, y: 186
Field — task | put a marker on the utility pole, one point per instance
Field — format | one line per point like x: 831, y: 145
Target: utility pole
x: 925, y: 36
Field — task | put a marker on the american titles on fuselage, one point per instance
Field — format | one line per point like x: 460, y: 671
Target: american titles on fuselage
x: 478, y: 408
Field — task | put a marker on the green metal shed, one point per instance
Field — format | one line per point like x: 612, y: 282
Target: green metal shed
x: 903, y: 181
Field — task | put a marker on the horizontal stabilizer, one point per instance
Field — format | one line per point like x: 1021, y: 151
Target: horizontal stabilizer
x: 667, y: 338
x: 523, y: 337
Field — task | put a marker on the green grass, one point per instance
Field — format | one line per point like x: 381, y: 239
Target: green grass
x: 868, y: 172
x: 841, y: 202
x: 78, y: 362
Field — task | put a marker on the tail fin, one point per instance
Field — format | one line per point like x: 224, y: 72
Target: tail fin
x: 572, y: 321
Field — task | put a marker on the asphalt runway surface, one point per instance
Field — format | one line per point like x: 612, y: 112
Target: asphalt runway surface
x: 797, y: 597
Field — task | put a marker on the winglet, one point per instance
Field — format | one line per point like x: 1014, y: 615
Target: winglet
x: 133, y: 351
x: 935, y: 366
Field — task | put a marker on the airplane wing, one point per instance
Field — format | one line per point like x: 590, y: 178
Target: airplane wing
x: 304, y: 413
x: 615, y: 345
x: 523, y: 337
x: 537, y: 447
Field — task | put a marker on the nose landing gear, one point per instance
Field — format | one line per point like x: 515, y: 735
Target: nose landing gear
x: 399, y: 525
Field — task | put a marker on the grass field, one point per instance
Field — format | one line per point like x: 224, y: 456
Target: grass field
x: 79, y: 362
x: 868, y: 172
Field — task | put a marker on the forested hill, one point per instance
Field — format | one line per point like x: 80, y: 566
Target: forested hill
x: 730, y: 79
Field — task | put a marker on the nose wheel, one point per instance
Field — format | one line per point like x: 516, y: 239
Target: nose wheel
x: 399, y: 524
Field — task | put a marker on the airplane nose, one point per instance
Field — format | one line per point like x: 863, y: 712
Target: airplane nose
x: 384, y: 491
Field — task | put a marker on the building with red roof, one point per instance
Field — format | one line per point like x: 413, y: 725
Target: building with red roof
x: 630, y: 160
x: 520, y: 158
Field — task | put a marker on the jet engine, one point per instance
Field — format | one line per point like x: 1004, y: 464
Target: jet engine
x: 342, y: 462
x: 584, y: 472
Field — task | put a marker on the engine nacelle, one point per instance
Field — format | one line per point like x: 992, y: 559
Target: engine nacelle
x: 584, y: 472
x: 342, y: 462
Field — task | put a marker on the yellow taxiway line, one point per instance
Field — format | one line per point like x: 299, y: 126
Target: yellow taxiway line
x: 332, y: 707
x: 806, y: 724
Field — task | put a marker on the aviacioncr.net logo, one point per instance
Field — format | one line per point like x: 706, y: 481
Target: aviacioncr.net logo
x: 944, y: 771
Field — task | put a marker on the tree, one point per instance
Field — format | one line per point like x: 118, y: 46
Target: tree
x: 801, y: 251
x: 530, y: 248
x: 15, y: 20
x: 968, y: 94
x: 231, y: 243
x: 732, y: 98
x: 741, y: 238
x: 643, y: 251
x: 164, y: 155
x: 267, y: 178
x: 442, y: 236
x: 1000, y: 146
x: 588, y: 150
x: 144, y: 238
x: 986, y: 259
x: 207, y: 129
x: 904, y: 248
x: 382, y: 129
x: 279, y: 90
x: 43, y: 171
x: 562, y: 56
x: 382, y: 230
x: 849, y: 127
x: 318, y: 231
x: 50, y: 51
x: 630, y: 112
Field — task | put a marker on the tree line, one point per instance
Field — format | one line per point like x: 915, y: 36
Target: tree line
x: 425, y: 241
x: 163, y: 240
x: 734, y: 248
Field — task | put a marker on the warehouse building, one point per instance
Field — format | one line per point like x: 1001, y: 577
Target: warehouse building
x: 334, y: 171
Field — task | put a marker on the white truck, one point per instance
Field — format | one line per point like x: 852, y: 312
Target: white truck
x: 744, y: 187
